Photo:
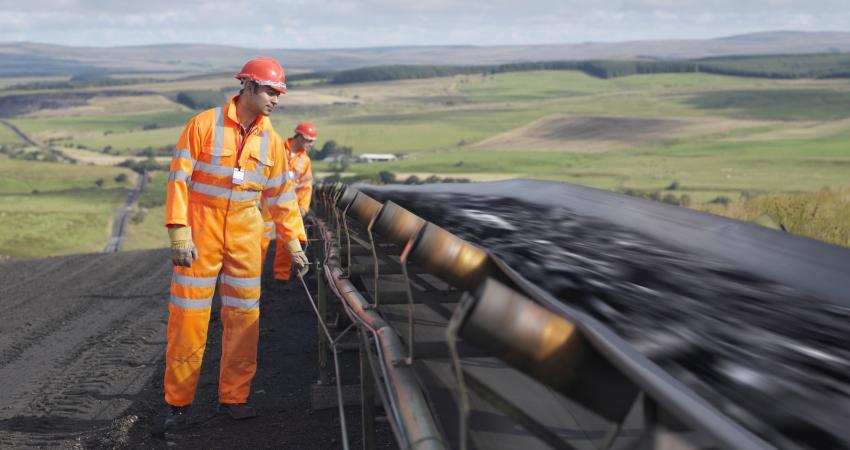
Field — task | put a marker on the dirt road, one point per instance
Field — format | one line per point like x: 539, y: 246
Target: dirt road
x: 62, y: 157
x: 119, y: 226
x: 81, y: 361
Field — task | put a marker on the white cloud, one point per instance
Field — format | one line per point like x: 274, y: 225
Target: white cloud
x: 354, y: 23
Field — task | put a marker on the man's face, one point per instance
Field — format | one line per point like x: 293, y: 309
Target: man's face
x: 264, y: 99
x: 303, y: 143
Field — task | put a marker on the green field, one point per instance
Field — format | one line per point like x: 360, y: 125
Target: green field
x: 52, y: 209
x: 8, y: 136
x: 130, y: 142
x: 147, y: 225
x: 125, y: 133
x: 104, y: 123
x: 693, y: 134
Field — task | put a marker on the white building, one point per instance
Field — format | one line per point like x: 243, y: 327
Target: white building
x: 375, y: 157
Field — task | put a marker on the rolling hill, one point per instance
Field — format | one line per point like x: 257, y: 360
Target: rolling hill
x: 34, y: 59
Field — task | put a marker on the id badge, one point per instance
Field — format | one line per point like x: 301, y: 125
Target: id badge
x: 238, y: 176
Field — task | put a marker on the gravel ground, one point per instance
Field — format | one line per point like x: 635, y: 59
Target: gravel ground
x: 81, y: 361
x: 774, y: 358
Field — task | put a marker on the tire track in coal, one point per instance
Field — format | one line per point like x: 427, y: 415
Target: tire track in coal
x: 25, y: 280
x: 93, y: 333
x: 37, y: 334
x: 37, y: 327
x: 96, y: 382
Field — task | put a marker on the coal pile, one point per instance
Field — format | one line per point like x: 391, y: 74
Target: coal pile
x: 772, y: 357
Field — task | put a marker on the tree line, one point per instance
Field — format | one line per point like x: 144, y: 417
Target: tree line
x: 825, y: 65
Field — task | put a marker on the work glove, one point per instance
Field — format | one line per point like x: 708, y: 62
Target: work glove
x: 183, y: 250
x: 299, y: 259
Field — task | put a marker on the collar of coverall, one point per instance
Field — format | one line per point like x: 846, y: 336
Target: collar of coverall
x: 260, y: 123
x: 289, y: 147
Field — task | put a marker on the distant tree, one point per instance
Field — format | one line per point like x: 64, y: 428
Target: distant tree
x: 413, y: 179
x: 121, y: 178
x: 721, y: 200
x: 386, y: 177
x: 328, y: 149
x: 143, y: 166
x: 670, y: 199
x: 99, y: 182
x: 199, y: 100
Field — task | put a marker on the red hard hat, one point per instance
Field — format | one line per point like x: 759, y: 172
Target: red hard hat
x: 265, y: 72
x: 306, y: 129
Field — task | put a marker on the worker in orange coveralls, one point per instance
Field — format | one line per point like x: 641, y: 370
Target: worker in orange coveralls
x: 227, y: 159
x: 301, y: 172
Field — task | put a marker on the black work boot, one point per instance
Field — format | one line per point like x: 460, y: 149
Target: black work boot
x: 238, y: 411
x: 170, y: 418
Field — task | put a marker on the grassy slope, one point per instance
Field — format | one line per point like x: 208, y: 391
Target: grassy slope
x: 68, y: 214
x: 146, y: 229
x: 822, y: 215
x: 7, y: 136
x: 436, y: 122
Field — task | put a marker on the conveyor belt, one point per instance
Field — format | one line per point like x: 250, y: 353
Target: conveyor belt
x: 508, y: 407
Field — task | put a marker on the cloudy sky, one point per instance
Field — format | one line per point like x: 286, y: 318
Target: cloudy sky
x: 370, y: 23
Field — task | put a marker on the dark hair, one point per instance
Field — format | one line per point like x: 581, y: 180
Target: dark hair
x: 248, y: 82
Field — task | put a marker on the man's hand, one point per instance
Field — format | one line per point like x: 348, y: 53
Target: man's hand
x: 299, y: 259
x: 183, y: 250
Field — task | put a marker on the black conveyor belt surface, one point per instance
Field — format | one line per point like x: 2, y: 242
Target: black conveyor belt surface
x: 753, y: 320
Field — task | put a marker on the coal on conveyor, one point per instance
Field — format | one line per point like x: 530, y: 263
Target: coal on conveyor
x: 774, y: 358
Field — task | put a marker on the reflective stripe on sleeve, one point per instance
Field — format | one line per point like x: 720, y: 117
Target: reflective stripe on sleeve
x: 256, y: 177
x: 276, y: 181
x: 183, y: 153
x: 191, y: 303
x: 178, y: 175
x: 281, y: 199
x: 242, y: 303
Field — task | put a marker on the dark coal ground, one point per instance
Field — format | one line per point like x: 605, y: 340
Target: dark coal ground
x: 772, y: 357
x: 82, y: 357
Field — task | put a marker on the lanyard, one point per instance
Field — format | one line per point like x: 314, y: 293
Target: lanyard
x: 245, y: 133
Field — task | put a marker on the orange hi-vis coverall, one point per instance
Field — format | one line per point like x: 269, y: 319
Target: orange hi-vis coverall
x: 301, y: 172
x: 226, y: 229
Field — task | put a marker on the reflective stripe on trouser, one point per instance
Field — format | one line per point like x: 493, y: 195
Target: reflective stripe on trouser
x: 282, y: 261
x: 228, y: 244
